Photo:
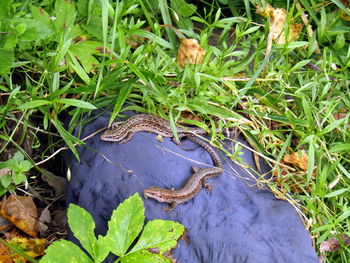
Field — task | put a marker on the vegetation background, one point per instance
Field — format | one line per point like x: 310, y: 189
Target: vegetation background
x: 63, y: 57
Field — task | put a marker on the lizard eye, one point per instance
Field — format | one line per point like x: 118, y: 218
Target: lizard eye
x: 114, y: 125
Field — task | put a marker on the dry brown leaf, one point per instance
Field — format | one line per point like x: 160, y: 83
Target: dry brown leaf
x: 56, y: 182
x: 22, y: 212
x: 44, y: 219
x: 343, y: 14
x: 278, y: 18
x: 297, y: 159
x: 189, y: 51
x: 32, y: 247
x: 4, y: 223
x: 59, y: 220
x: 5, y: 254
x: 296, y: 180
x: 332, y: 244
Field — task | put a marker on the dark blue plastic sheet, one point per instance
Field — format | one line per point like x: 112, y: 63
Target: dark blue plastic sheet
x: 236, y: 222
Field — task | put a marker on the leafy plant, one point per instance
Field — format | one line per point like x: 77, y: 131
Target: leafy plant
x: 124, y: 227
x: 14, y: 172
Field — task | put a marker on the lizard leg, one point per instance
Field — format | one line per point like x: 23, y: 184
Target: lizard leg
x: 171, y: 207
x: 128, y: 136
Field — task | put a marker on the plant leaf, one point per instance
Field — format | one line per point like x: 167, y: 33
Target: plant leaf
x: 123, y: 94
x: 77, y: 103
x: 64, y: 251
x: 7, y: 57
x: 125, y: 224
x: 33, y: 104
x: 158, y: 233
x: 144, y: 256
x: 82, y: 225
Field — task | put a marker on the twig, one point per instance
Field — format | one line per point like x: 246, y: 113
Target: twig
x: 66, y: 148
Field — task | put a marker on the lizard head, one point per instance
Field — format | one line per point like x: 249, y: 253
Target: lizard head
x: 112, y: 134
x: 156, y: 193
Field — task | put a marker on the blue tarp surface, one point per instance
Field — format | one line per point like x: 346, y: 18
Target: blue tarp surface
x: 235, y: 222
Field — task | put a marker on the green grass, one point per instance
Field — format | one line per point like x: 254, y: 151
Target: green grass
x: 62, y: 58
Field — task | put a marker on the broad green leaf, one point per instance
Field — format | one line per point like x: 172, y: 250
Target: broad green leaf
x: 18, y: 178
x: 102, y: 248
x: 6, y: 180
x: 145, y: 256
x: 64, y: 251
x: 18, y: 156
x: 94, y: 27
x: 77, y: 103
x: 183, y: 8
x: 34, y: 30
x: 125, y: 224
x: 84, y: 52
x: 7, y: 58
x: 40, y: 15
x: 26, y: 165
x: 33, y: 104
x: 158, y: 233
x: 82, y: 225
x: 5, y: 8
x: 65, y: 14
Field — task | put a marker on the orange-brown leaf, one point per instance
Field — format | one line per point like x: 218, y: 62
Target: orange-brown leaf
x: 189, y: 51
x: 278, y: 18
x: 297, y: 159
x: 22, y: 212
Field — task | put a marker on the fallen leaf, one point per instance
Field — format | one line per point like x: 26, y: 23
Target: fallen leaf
x: 333, y: 244
x: 297, y: 159
x: 295, y: 180
x: 278, y: 18
x: 4, y: 223
x: 59, y: 220
x: 189, y: 51
x: 44, y: 220
x: 343, y: 14
x: 32, y: 247
x: 5, y: 254
x: 22, y: 212
x: 56, y: 182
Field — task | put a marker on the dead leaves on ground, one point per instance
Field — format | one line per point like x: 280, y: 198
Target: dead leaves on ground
x: 34, y: 247
x: 279, y: 25
x: 278, y: 22
x: 189, y: 52
x: 21, y: 212
x: 294, y: 179
x: 333, y: 244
